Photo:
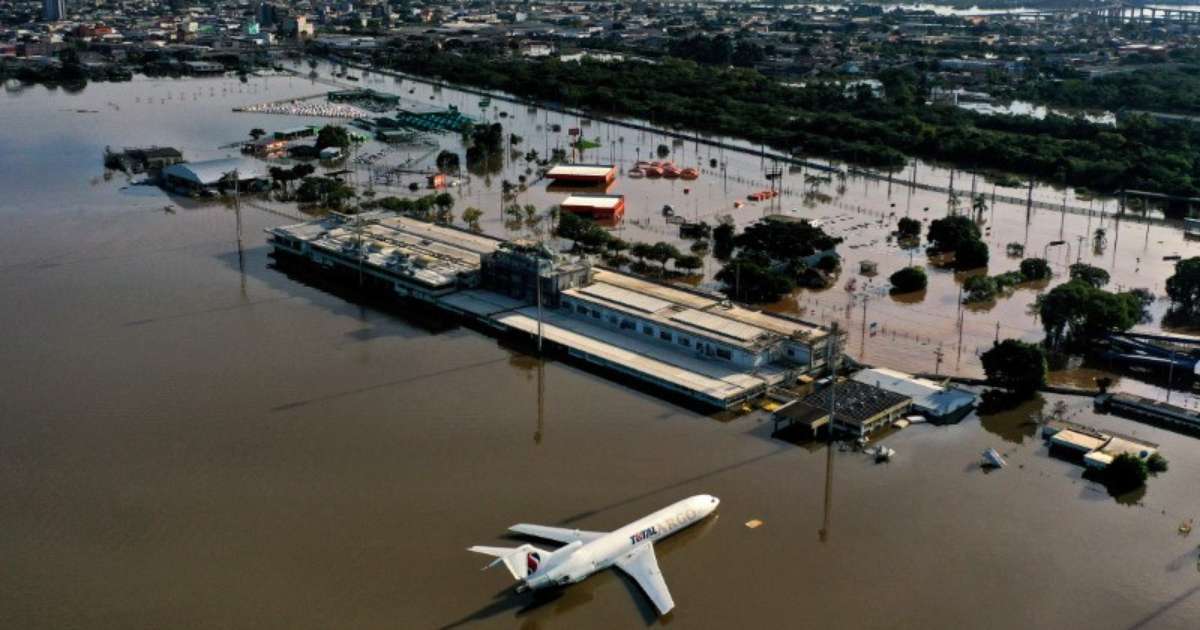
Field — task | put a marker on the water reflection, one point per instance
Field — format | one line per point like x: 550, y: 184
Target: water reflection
x: 1015, y: 425
x: 914, y: 297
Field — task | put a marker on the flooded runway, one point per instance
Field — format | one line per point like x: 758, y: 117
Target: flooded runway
x: 194, y: 438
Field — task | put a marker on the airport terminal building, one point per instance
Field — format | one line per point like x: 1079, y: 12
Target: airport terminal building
x: 694, y: 344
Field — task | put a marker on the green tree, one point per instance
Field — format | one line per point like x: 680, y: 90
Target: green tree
x: 909, y: 279
x: 1035, y: 269
x: 979, y: 288
x: 1126, y: 473
x: 471, y: 217
x: 1015, y: 365
x: 447, y: 161
x: 784, y: 241
x: 723, y: 241
x: 908, y: 228
x: 689, y: 263
x: 642, y: 251
x: 1094, y: 276
x: 948, y: 233
x: 333, y: 136
x: 749, y: 281
x: 979, y: 205
x: 971, y: 255
x: 1079, y: 313
x: 616, y: 244
x: 586, y: 234
x: 1183, y: 287
x: 662, y: 253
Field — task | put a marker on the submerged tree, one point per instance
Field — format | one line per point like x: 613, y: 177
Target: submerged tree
x: 1015, y: 365
x: 909, y: 279
x: 471, y: 217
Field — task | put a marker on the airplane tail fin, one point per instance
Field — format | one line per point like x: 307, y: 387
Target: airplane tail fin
x: 520, y: 561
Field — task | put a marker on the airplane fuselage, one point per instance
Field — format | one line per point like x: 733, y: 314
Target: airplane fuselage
x: 578, y: 560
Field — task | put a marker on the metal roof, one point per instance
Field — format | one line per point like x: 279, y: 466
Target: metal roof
x: 1078, y: 441
x: 580, y: 170
x: 593, y: 201
x: 857, y: 402
x: 625, y: 297
x: 926, y: 394
x: 718, y: 325
x: 210, y: 172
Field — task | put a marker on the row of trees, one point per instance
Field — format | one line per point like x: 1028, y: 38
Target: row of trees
x: 591, y: 238
x: 825, y: 119
x: 437, y: 207
x: 985, y: 288
x: 772, y: 257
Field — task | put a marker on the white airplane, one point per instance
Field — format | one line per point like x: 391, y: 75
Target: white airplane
x: 630, y: 549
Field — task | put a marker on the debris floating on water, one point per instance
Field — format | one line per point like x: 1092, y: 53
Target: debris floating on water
x: 754, y: 523
x: 993, y: 459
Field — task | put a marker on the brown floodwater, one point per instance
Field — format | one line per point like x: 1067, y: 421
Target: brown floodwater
x: 905, y: 332
x: 195, y: 438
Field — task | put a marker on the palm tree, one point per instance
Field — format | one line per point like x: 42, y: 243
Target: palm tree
x: 979, y: 206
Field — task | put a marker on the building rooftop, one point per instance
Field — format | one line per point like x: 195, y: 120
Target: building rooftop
x: 1077, y: 441
x: 595, y: 201
x: 679, y: 317
x: 1137, y: 448
x: 856, y: 402
x: 779, y: 324
x: 425, y: 253
x: 716, y: 381
x: 802, y: 413
x: 580, y: 170
x: 210, y: 172
x: 925, y: 393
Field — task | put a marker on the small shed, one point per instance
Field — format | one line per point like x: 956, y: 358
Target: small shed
x: 802, y: 417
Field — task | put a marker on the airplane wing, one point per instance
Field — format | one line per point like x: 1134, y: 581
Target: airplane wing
x: 642, y: 566
x: 559, y: 534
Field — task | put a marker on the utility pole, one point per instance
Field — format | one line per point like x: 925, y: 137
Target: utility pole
x: 862, y: 351
x: 833, y: 354
x: 1170, y: 375
x: 539, y: 308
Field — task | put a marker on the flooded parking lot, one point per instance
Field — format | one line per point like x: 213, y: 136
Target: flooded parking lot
x: 193, y: 437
